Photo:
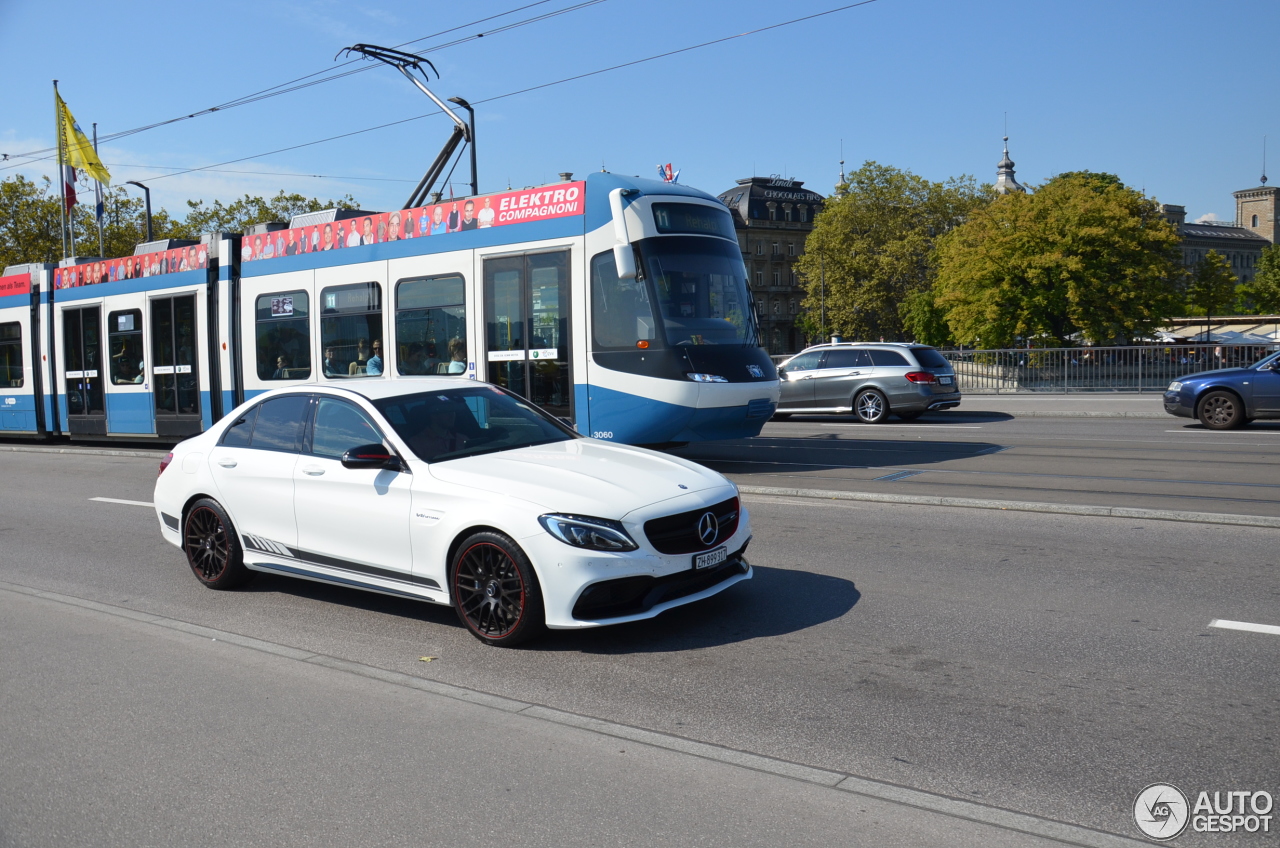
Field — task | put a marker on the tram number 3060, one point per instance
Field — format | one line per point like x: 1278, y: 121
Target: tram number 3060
x: 602, y: 434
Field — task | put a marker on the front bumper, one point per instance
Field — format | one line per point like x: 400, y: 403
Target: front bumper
x: 1175, y: 403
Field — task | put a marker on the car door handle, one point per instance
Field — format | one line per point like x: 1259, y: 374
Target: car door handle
x: 313, y: 471
x: 227, y: 462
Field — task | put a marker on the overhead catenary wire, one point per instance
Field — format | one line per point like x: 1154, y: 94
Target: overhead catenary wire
x: 299, y: 83
x: 539, y: 87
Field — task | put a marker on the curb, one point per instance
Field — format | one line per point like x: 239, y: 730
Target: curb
x: 155, y: 454
x: 1022, y: 506
x: 844, y: 782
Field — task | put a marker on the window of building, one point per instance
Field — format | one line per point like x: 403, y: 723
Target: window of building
x: 777, y: 278
x: 777, y: 306
x: 804, y: 213
x: 124, y: 339
x: 759, y: 248
x: 759, y: 278
x: 773, y: 210
x: 777, y: 249
x: 351, y: 329
x: 11, y: 374
x: 786, y: 213
x: 793, y: 306
x: 791, y: 249
x: 283, y: 330
x: 795, y: 279
x: 431, y: 325
x: 1255, y: 221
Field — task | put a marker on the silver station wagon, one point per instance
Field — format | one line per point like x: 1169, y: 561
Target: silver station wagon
x: 871, y: 380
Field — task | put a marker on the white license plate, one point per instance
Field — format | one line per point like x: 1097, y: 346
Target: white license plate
x: 710, y: 558
x: 946, y: 381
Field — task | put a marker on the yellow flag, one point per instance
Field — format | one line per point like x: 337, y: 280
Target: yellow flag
x: 79, y: 150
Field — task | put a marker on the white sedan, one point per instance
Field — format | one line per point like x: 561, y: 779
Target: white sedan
x: 455, y: 492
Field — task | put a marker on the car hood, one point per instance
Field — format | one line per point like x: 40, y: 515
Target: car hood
x: 582, y: 476
x: 1215, y: 374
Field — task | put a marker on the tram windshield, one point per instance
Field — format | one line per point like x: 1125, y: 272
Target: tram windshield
x: 700, y: 290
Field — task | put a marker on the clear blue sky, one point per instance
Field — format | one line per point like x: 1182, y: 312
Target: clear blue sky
x: 1172, y: 96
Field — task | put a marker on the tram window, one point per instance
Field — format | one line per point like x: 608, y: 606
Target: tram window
x: 124, y: 339
x: 280, y: 423
x: 351, y: 330
x: 11, y: 375
x: 621, y: 314
x: 239, y: 433
x: 431, y: 326
x: 283, y: 329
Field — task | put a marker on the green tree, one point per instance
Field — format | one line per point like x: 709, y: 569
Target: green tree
x: 1212, y: 287
x: 29, y: 222
x: 924, y: 320
x: 236, y: 216
x: 872, y: 244
x: 1264, y: 291
x: 1084, y: 255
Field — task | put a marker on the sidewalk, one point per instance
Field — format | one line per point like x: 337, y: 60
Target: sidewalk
x: 1076, y: 405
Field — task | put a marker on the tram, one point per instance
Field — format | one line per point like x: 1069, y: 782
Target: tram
x: 619, y: 304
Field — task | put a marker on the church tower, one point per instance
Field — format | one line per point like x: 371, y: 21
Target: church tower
x: 1006, y: 183
x: 1258, y: 209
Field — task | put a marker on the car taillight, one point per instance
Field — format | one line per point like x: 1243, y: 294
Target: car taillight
x: 164, y: 463
x: 921, y: 377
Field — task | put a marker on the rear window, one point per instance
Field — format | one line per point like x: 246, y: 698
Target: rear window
x: 280, y: 423
x: 930, y: 358
x: 888, y: 357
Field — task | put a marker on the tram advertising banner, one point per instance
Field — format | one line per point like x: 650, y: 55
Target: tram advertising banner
x: 473, y: 213
x: 171, y: 261
x: 17, y: 284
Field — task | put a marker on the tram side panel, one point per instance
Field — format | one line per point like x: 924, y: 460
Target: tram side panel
x: 19, y: 355
x: 277, y: 328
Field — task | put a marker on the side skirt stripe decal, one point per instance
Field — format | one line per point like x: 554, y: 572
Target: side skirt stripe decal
x: 267, y: 546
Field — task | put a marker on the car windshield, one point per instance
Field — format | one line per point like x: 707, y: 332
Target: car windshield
x: 468, y: 421
x: 700, y: 288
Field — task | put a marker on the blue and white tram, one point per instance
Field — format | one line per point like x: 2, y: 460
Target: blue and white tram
x: 25, y: 405
x: 619, y: 304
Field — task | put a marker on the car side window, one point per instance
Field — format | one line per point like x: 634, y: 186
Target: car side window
x: 340, y: 427
x: 888, y: 357
x: 239, y: 433
x: 805, y: 361
x: 280, y: 423
x: 845, y: 358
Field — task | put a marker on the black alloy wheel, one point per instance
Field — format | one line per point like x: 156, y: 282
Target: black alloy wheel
x: 495, y: 590
x: 1221, y: 411
x: 212, y: 547
x: 871, y: 407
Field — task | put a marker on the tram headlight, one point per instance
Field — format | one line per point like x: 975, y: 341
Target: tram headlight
x: 583, y: 531
x: 706, y: 378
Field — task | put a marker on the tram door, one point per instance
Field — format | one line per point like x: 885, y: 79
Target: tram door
x: 175, y: 378
x: 526, y: 307
x: 83, y: 370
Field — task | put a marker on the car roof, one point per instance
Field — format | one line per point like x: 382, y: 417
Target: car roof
x: 834, y: 345
x: 379, y: 389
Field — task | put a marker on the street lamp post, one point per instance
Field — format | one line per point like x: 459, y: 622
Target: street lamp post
x: 146, y: 191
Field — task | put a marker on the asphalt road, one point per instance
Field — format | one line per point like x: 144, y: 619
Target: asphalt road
x: 1162, y: 463
x: 1048, y: 664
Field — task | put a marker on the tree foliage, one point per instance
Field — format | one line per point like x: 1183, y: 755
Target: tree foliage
x: 1212, y: 287
x: 1264, y: 291
x: 1083, y: 255
x: 30, y: 218
x: 872, y: 242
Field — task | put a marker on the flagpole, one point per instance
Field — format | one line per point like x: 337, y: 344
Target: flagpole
x: 62, y: 180
x: 98, y: 207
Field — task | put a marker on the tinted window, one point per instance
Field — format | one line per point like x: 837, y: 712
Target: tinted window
x: 930, y: 358
x: 339, y: 428
x: 239, y: 433
x: 350, y: 330
x: 124, y: 338
x: 431, y: 326
x: 888, y: 357
x: 621, y: 313
x: 467, y: 421
x: 283, y: 329
x: 846, y: 359
x: 280, y: 423
x: 11, y: 375
x: 805, y: 361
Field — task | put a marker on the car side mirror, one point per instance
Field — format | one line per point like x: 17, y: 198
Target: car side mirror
x: 371, y: 456
x: 781, y: 371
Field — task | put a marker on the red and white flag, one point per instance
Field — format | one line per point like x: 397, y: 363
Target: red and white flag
x: 68, y: 187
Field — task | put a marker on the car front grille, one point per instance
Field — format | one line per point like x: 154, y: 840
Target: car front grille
x: 678, y: 534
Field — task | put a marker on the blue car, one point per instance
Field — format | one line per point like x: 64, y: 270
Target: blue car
x: 1229, y: 397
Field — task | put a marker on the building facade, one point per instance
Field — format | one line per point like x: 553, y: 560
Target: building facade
x: 1241, y: 246
x: 773, y: 217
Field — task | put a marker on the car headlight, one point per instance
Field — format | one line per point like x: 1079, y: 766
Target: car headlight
x: 583, y: 531
x: 706, y: 378
x: 1175, y: 386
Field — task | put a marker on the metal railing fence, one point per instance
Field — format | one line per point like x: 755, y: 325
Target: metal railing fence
x: 1144, y: 368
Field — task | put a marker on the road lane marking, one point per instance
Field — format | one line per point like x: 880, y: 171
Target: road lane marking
x: 1219, y: 432
x: 147, y: 504
x: 1245, y: 625
x: 898, y: 475
x: 912, y: 426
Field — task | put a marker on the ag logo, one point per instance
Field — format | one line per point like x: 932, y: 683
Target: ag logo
x: 1160, y: 811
